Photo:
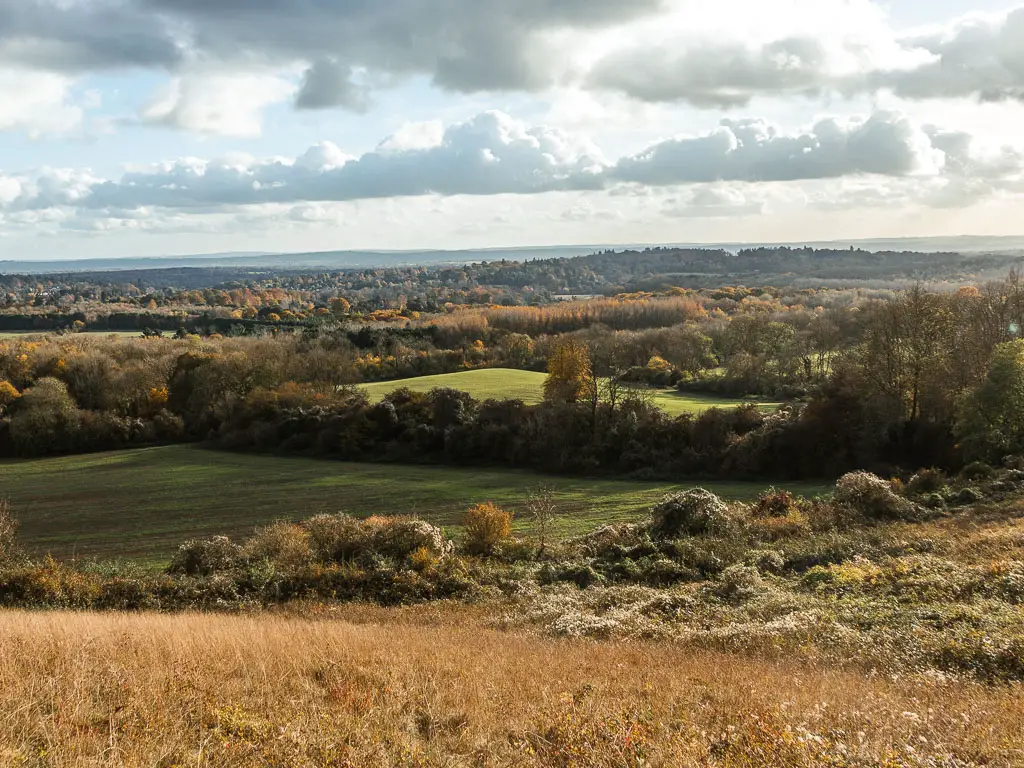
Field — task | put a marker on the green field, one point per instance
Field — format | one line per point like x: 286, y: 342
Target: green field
x: 142, y: 503
x: 25, y: 334
x: 528, y: 386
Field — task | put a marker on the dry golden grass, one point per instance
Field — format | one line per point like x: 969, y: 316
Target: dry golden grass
x: 436, y: 687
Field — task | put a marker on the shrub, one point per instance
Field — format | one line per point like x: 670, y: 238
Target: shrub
x: 766, y: 560
x: 203, y: 557
x: 695, y: 513
x: 737, y: 584
x: 337, y: 538
x: 612, y: 540
x: 773, y: 503
x: 486, y: 525
x: 582, y: 575
x: 926, y: 481
x: 50, y: 585
x: 661, y: 572
x: 398, y: 537
x: 286, y: 545
x: 334, y: 538
x: 872, y: 497
x: 978, y: 470
x: 422, y: 560
x: 967, y: 496
x: 774, y: 528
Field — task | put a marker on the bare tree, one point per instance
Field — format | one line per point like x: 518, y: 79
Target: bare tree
x: 542, y: 508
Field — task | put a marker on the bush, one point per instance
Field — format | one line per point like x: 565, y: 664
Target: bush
x: 926, y: 481
x: 978, y: 470
x: 737, y: 584
x: 400, y: 538
x: 612, y: 540
x: 49, y: 585
x: 967, y: 496
x: 773, y: 503
x: 694, y: 513
x: 872, y: 497
x: 338, y: 538
x: 774, y: 528
x: 286, y: 545
x: 582, y: 575
x: 486, y: 525
x: 203, y: 557
x: 335, y: 538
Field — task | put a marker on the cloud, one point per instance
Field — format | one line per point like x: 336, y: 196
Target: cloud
x: 38, y: 103
x: 325, y: 54
x: 979, y: 57
x: 483, y: 45
x: 708, y: 74
x: 713, y: 202
x: 76, y: 36
x: 753, y: 150
x: 493, y: 154
x: 329, y: 84
x: 414, y: 136
x: 215, y: 103
x: 488, y: 155
x: 976, y: 57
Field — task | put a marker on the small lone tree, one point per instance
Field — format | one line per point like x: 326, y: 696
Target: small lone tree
x: 8, y: 533
x: 542, y: 508
x: 569, y: 373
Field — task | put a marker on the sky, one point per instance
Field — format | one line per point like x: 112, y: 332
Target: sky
x: 159, y: 127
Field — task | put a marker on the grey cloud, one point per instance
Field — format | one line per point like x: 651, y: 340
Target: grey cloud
x: 461, y: 44
x: 85, y: 36
x: 329, y: 84
x: 978, y: 58
x: 751, y: 150
x: 715, y: 74
x: 480, y: 45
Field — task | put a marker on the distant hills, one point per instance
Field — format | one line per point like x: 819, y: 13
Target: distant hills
x: 357, y: 259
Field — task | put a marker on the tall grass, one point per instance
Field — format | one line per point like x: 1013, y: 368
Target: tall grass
x: 436, y: 687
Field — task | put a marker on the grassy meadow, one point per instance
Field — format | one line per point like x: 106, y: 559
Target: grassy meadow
x: 528, y: 386
x: 440, y: 686
x: 142, y: 504
x: 25, y: 334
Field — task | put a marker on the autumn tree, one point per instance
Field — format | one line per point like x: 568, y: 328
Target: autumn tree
x: 516, y: 350
x: 46, y: 419
x: 569, y: 373
x: 8, y: 394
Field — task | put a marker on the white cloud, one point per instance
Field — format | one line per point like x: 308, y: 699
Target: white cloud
x: 216, y: 103
x: 38, y: 103
x: 422, y: 135
x: 714, y: 202
x: 493, y: 154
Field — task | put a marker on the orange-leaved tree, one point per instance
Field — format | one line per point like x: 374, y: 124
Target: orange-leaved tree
x: 569, y: 372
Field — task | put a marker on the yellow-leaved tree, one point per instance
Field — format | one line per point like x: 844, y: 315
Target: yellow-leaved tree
x: 569, y: 373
